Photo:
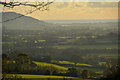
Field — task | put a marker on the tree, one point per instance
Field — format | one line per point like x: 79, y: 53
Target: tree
x: 50, y: 70
x: 23, y: 58
x: 24, y: 65
x: 5, y: 64
x: 112, y: 74
x: 37, y: 5
x: 5, y: 57
x: 13, y: 4
x: 85, y: 74
x: 73, y: 71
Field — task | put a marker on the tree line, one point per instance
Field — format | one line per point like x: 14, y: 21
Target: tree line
x: 22, y: 64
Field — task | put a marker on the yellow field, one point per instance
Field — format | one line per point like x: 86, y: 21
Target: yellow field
x: 44, y: 77
x: 72, y: 63
x: 59, y: 68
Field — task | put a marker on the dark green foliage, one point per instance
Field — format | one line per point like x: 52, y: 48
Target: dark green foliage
x: 72, y: 70
x: 112, y: 74
x: 20, y: 64
x: 23, y: 59
x: 11, y: 77
x: 85, y: 74
x: 6, y: 61
x: 5, y: 57
x: 50, y: 70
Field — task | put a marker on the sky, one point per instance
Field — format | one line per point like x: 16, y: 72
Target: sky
x: 72, y: 11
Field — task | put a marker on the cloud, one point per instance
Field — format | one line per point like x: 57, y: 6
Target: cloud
x: 61, y: 4
x: 88, y: 4
x: 103, y: 4
x: 69, y: 4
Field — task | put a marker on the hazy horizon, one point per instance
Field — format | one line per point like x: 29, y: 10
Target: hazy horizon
x: 82, y: 21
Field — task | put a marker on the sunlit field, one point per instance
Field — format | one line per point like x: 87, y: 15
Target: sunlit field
x: 59, y: 68
x: 43, y: 77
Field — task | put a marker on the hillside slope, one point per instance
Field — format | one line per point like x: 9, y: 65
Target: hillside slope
x: 24, y: 22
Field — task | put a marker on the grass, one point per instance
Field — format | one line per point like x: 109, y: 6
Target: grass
x: 62, y: 69
x: 96, y: 70
x: 103, y: 63
x: 71, y: 63
x: 81, y: 66
x: 44, y: 77
x: 59, y: 68
x: 87, y: 46
x: 88, y: 65
x: 115, y: 55
x: 65, y: 37
x: 62, y: 62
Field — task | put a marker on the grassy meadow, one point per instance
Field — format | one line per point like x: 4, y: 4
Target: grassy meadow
x: 43, y: 77
x: 63, y: 68
x: 59, y: 68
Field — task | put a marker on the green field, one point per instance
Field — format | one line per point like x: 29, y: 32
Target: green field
x: 81, y: 66
x: 63, y: 69
x: 115, y: 55
x: 59, y: 68
x: 71, y: 63
x: 43, y: 77
x: 87, y: 46
x: 96, y: 70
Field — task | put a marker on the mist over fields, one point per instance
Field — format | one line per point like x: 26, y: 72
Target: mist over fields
x: 93, y: 42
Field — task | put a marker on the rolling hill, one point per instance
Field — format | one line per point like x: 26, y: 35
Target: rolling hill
x: 24, y: 22
x: 59, y: 68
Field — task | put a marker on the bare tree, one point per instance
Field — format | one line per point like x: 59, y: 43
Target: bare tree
x: 37, y: 5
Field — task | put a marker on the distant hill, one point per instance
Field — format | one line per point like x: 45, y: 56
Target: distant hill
x: 29, y: 23
x: 24, y: 22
